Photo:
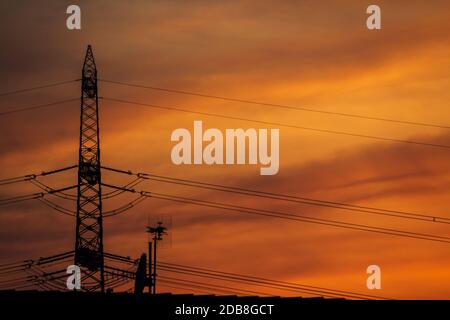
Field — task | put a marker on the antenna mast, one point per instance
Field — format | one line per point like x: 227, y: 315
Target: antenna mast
x: 157, y: 233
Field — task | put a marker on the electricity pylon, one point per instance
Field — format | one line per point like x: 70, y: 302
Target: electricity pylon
x: 89, y: 227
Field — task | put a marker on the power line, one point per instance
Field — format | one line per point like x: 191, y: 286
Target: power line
x: 15, y: 180
x: 187, y: 288
x: 288, y: 216
x: 282, y: 106
x: 40, y: 196
x: 46, y: 173
x: 125, y: 207
x: 194, y: 287
x: 116, y: 193
x: 301, y: 218
x: 51, y: 85
x: 32, y: 176
x: 53, y: 191
x: 198, y: 284
x: 259, y: 280
x: 284, y: 197
x: 34, y: 273
x: 41, y: 273
x: 40, y: 106
x: 237, y: 118
x: 217, y: 115
x: 121, y: 276
x: 247, y: 279
x: 18, y: 199
x: 57, y: 207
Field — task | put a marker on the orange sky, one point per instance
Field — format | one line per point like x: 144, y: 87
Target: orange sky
x: 315, y: 55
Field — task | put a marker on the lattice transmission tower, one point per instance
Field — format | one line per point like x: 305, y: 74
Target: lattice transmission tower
x: 89, y: 224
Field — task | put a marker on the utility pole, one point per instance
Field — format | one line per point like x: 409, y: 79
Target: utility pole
x: 89, y: 224
x: 157, y: 233
x: 150, y: 268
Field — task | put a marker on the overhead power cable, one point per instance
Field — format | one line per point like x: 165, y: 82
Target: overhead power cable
x: 34, y: 107
x: 116, y: 193
x: 40, y: 196
x: 263, y: 282
x: 284, y: 197
x: 276, y: 105
x: 57, y: 207
x: 50, y: 85
x: 36, y: 272
x: 186, y: 288
x: 125, y: 207
x: 238, y: 278
x: 288, y: 216
x: 23, y: 198
x: 34, y: 175
x: 164, y: 269
x: 53, y: 191
x: 278, y: 124
x: 216, y: 287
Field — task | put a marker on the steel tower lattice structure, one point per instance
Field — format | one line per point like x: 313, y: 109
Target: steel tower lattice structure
x: 89, y: 224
